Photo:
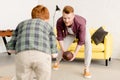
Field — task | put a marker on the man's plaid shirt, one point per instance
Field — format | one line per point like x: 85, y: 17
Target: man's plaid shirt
x: 33, y: 34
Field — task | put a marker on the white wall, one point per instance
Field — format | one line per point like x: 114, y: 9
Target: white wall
x: 14, y: 11
x: 97, y: 13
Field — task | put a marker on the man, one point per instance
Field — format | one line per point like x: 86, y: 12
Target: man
x: 69, y: 27
x: 34, y: 41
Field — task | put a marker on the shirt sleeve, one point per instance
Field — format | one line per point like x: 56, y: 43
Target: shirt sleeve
x: 59, y: 33
x: 81, y: 39
x: 11, y: 44
x: 53, y: 44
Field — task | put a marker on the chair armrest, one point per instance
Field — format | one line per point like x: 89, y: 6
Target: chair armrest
x: 108, y: 43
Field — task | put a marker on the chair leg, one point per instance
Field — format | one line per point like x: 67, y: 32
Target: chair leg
x: 106, y: 62
x: 110, y: 59
x: 5, y: 42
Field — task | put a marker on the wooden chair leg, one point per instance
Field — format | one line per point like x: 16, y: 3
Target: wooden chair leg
x: 5, y: 42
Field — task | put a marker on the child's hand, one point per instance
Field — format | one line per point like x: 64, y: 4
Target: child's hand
x: 11, y: 51
x: 54, y: 55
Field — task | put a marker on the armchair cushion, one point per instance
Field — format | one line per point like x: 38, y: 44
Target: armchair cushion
x: 99, y: 35
x: 95, y: 48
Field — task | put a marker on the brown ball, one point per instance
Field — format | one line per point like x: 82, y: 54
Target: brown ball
x: 68, y: 55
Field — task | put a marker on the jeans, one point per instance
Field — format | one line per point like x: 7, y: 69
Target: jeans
x: 68, y: 40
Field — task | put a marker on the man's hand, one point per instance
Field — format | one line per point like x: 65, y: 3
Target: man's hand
x: 73, y: 57
x: 75, y: 52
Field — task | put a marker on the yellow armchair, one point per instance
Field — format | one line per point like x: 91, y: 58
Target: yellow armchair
x: 101, y: 51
